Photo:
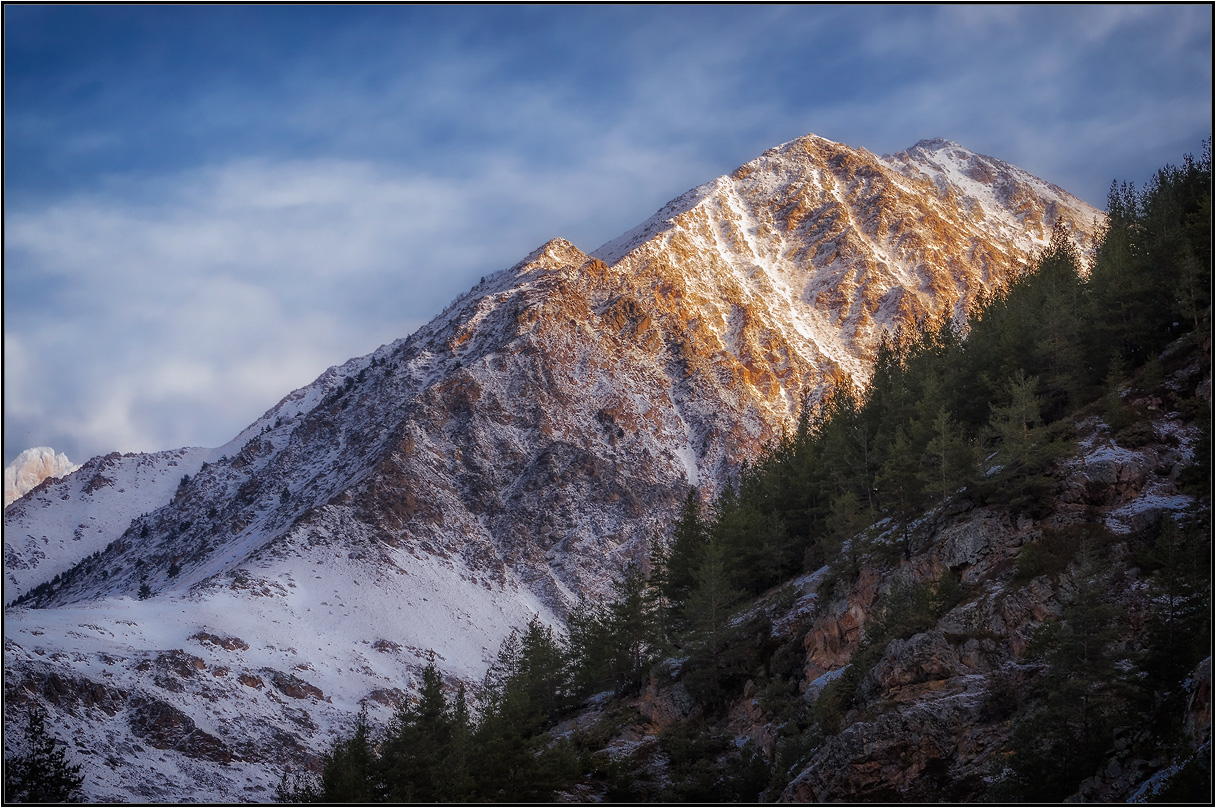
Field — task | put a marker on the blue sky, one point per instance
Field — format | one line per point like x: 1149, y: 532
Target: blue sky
x: 206, y: 206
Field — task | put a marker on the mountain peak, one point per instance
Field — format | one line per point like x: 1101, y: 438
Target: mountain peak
x: 936, y: 144
x: 554, y: 253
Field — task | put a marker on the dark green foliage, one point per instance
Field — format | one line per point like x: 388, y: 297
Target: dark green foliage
x: 902, y: 487
x: 844, y: 541
x: 1065, y: 731
x: 704, y: 767
x: 1180, y: 629
x: 687, y: 547
x: 530, y: 680
x: 616, y: 645
x: 1152, y: 278
x: 423, y: 747
x: 349, y: 770
x: 1024, y: 449
x: 710, y: 602
x: 1051, y: 553
x: 434, y: 751
x: 40, y: 771
x: 720, y: 664
x: 949, y: 459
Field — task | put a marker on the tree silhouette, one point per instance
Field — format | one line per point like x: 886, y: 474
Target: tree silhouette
x: 41, y: 772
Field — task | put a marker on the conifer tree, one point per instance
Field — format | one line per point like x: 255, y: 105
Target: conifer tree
x: 845, y: 542
x: 1062, y: 737
x: 949, y: 461
x: 40, y: 771
x: 1180, y: 559
x: 709, y: 605
x: 419, y: 754
x: 589, y: 640
x: 632, y: 630
x: 902, y: 486
x: 1024, y: 449
x: 349, y: 772
x: 687, y: 547
x: 845, y: 448
x: 525, y: 689
x: 1055, y: 289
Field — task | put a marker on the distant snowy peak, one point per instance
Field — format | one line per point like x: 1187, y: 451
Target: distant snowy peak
x: 30, y: 468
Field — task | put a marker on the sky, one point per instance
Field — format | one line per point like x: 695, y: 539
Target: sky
x: 207, y: 206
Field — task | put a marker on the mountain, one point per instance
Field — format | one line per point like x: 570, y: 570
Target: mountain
x: 504, y: 461
x: 61, y: 521
x: 30, y: 468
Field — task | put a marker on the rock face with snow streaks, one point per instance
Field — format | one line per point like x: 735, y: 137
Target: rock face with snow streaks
x: 511, y: 456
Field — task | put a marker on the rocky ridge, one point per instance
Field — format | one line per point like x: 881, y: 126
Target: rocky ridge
x: 503, y: 461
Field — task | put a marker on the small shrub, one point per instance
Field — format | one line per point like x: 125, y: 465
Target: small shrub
x: 1135, y: 435
x: 1051, y: 553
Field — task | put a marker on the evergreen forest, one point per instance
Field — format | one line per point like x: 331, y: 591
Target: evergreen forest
x: 955, y: 419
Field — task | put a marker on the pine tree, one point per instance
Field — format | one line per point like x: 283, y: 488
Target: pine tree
x: 845, y: 442
x: 949, y: 460
x: 588, y: 632
x: 632, y: 630
x: 845, y: 542
x: 525, y: 690
x: 901, y: 487
x: 1180, y: 559
x: 1058, y: 358
x: 417, y: 747
x: 41, y: 772
x: 543, y: 673
x: 459, y: 762
x: 709, y: 604
x: 350, y: 770
x: 687, y: 547
x: 1024, y: 448
x: 1062, y: 737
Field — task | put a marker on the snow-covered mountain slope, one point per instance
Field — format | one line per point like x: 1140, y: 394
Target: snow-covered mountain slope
x: 30, y: 468
x: 210, y: 696
x: 505, y: 460
x: 61, y: 521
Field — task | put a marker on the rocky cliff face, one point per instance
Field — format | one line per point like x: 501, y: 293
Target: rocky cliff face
x: 503, y: 461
